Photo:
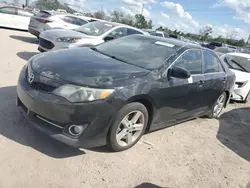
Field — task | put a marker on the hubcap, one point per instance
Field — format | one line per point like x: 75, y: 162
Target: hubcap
x: 130, y: 128
x: 219, y: 105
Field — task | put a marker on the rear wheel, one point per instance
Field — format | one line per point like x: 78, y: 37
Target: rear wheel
x: 128, y: 127
x: 218, y: 106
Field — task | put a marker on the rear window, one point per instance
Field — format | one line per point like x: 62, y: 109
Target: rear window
x: 43, y: 14
x: 74, y: 20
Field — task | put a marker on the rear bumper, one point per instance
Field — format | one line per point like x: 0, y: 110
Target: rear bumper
x: 54, y: 115
x: 33, y: 31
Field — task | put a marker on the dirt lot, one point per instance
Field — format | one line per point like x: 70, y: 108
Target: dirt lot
x: 199, y: 153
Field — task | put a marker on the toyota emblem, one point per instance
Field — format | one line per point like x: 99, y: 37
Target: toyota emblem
x: 31, y: 77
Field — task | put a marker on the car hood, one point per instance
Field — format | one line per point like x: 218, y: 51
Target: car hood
x: 84, y: 66
x: 241, y: 76
x: 53, y: 34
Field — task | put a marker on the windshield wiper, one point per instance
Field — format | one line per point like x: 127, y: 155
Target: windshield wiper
x: 111, y: 56
x: 239, y: 65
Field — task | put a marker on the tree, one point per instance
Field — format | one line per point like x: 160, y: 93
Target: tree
x: 140, y: 22
x: 100, y: 15
x: 46, y: 4
x: 233, y: 34
x: 207, y: 30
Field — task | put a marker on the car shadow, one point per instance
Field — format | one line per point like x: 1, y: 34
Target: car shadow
x: 16, y: 128
x: 234, y: 131
x: 26, y: 55
x: 31, y: 40
x: 149, y: 185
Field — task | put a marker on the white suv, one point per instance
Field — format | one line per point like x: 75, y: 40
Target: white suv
x: 45, y: 20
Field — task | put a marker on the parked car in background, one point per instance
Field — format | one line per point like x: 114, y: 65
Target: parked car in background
x: 239, y: 63
x: 223, y: 50
x: 61, y: 10
x: 179, y: 37
x: 14, y: 17
x: 213, y: 45
x: 45, y: 20
x: 90, y: 34
x: 159, y: 34
x: 114, y: 92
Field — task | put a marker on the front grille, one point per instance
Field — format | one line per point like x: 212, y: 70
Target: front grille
x: 42, y: 87
x: 45, y: 43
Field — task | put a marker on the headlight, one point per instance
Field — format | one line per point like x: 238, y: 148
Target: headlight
x: 241, y: 84
x: 68, y: 39
x: 80, y: 94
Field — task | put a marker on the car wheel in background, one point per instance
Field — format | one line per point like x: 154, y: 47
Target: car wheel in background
x: 127, y: 127
x: 218, y: 106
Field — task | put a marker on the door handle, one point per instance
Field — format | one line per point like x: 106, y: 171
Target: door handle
x: 201, y: 82
x: 224, y: 79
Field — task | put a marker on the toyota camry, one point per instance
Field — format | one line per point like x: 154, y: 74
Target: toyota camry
x: 113, y: 93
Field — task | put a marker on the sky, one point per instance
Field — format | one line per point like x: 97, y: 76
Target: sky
x: 226, y: 17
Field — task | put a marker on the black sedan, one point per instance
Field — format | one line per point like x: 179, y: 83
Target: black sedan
x: 113, y: 93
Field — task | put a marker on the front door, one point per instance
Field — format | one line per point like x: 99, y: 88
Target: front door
x: 181, y: 98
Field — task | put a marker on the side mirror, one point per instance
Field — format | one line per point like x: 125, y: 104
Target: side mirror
x: 178, y: 72
x: 107, y: 38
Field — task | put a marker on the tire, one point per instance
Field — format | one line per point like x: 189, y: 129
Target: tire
x: 247, y: 98
x: 119, y: 128
x: 211, y: 113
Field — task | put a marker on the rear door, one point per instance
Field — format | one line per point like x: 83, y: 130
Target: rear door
x: 215, y: 78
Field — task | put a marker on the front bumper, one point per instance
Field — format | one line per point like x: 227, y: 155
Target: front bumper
x: 240, y: 94
x: 53, y: 115
x: 50, y: 44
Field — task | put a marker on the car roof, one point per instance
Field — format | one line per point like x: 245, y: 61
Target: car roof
x: 239, y: 54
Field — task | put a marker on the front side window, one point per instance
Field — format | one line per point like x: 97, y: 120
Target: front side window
x: 7, y: 10
x: 211, y: 63
x: 97, y: 28
x: 191, y: 60
x: 139, y: 51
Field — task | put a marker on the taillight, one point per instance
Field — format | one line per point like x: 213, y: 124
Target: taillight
x: 43, y: 21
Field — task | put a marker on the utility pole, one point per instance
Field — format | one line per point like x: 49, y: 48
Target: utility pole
x: 248, y: 40
x: 142, y: 9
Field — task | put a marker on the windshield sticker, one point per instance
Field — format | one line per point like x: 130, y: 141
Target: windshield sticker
x: 164, y: 44
x: 109, y: 25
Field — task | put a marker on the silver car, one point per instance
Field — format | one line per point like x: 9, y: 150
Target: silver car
x: 90, y: 34
x: 45, y: 20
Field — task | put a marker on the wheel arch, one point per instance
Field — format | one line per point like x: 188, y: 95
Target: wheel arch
x: 228, y: 98
x: 149, y: 103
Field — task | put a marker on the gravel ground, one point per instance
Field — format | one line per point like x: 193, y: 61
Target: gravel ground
x: 199, y: 153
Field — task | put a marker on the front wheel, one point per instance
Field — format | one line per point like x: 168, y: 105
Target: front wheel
x: 218, y: 106
x: 128, y: 127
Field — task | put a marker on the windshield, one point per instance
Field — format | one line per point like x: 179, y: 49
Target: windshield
x: 238, y: 63
x: 148, y: 53
x: 95, y: 28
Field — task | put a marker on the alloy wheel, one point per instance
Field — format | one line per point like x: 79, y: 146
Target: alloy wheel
x: 219, y: 105
x: 130, y: 128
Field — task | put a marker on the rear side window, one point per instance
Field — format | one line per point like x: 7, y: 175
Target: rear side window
x: 43, y: 14
x: 211, y: 63
x: 132, y: 32
x: 7, y: 10
x: 191, y: 60
x: 166, y: 35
